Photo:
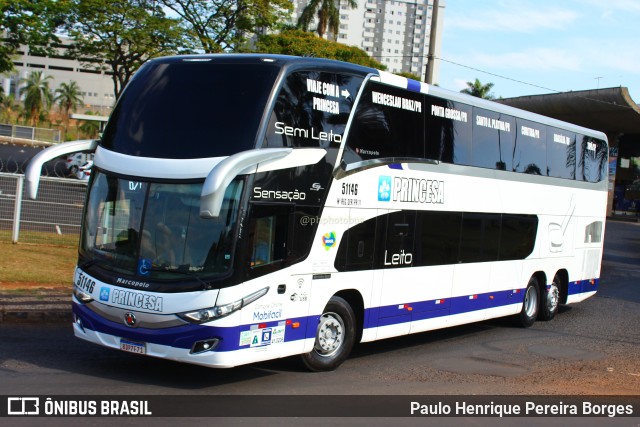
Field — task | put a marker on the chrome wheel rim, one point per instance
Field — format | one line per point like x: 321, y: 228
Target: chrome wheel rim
x: 553, y: 297
x: 530, y: 302
x: 330, y: 335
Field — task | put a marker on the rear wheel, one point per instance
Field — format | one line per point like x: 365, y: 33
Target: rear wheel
x: 550, y: 300
x: 335, y: 337
x: 529, y: 311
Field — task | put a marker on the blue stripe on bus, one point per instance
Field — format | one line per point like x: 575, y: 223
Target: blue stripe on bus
x: 413, y: 85
x: 583, y: 286
x: 185, y: 336
x: 397, y: 166
x: 421, y: 310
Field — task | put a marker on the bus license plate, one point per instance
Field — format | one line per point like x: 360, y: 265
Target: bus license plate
x: 133, y: 347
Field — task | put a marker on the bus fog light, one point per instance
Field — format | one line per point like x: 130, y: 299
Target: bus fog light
x: 78, y: 321
x: 205, y: 345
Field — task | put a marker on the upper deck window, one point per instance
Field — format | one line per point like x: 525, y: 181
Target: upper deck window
x: 312, y: 109
x: 184, y: 110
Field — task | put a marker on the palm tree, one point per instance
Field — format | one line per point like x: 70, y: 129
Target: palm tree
x: 37, y: 95
x: 328, y: 12
x: 479, y: 90
x: 68, y: 98
x: 90, y: 128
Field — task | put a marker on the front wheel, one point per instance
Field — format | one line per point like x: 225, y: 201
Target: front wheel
x: 550, y: 300
x: 529, y: 312
x: 335, y: 337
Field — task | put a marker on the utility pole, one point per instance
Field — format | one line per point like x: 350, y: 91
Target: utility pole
x: 428, y: 77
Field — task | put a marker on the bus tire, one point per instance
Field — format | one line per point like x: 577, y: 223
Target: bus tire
x: 530, y: 305
x: 335, y: 337
x: 550, y: 300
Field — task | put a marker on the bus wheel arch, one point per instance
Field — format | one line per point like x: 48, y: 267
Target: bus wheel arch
x: 336, y: 334
x: 355, y: 300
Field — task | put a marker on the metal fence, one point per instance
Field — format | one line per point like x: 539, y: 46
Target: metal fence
x: 53, y: 218
x: 29, y: 133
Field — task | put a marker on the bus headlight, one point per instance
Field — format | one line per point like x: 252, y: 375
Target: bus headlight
x: 82, y: 296
x: 220, y: 311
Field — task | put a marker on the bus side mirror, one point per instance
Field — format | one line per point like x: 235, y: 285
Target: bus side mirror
x: 32, y: 174
x: 224, y: 172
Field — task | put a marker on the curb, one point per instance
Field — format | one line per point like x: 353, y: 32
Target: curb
x: 41, y: 308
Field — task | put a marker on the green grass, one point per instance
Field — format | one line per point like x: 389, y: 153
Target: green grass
x: 70, y: 240
x: 37, y: 264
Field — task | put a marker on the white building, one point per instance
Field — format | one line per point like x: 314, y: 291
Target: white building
x: 397, y: 33
x: 96, y: 87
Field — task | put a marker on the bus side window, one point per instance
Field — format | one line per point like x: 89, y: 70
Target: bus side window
x: 357, y: 247
x: 530, y: 153
x: 268, y: 235
x: 592, y: 159
x: 399, y: 246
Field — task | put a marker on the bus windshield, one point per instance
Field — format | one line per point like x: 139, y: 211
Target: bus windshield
x: 154, y: 231
x: 188, y: 109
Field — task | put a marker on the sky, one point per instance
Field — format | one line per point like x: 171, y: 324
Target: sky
x: 530, y: 47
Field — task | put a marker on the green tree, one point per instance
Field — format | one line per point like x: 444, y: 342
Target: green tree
x: 328, y: 13
x: 479, y: 90
x: 299, y: 43
x: 225, y: 25
x: 37, y: 95
x: 90, y: 128
x: 68, y: 97
x: 8, y: 109
x: 118, y: 36
x: 29, y: 22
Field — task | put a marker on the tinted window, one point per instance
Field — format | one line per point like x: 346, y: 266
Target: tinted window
x: 357, y: 247
x: 388, y: 123
x: 188, y: 110
x: 312, y: 109
x: 561, y: 153
x: 438, y: 236
x: 518, y: 236
x: 529, y: 154
x: 493, y: 139
x: 398, y: 248
x: 592, y: 164
x: 448, y: 126
x: 441, y: 238
x: 277, y: 237
x: 480, y: 237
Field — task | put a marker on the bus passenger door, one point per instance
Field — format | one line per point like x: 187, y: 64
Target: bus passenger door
x: 394, y: 262
x: 272, y: 249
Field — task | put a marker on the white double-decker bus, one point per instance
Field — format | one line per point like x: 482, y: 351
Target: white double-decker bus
x: 245, y: 208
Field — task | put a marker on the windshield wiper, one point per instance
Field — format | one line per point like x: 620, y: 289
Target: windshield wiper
x: 182, y: 270
x: 88, y: 264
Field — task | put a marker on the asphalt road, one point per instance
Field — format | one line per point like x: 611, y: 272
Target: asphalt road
x: 591, y: 348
